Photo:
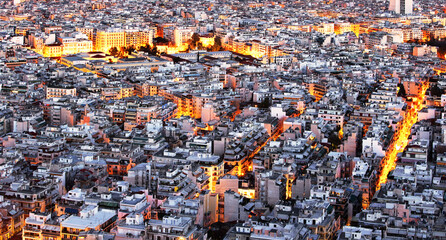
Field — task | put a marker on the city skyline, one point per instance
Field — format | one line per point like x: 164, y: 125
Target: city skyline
x: 222, y: 119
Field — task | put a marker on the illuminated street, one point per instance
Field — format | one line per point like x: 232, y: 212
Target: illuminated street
x: 400, y: 137
x: 222, y: 119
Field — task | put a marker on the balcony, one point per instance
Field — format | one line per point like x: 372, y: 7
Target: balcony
x: 31, y: 235
x: 30, y: 229
x: 128, y: 236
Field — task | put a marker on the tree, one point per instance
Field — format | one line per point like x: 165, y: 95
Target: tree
x: 199, y: 46
x: 155, y: 51
x: 145, y: 48
x: 122, y: 52
x: 194, y: 40
x: 160, y: 40
x: 130, y: 50
x: 150, y: 50
x: 114, y: 51
x: 218, y: 46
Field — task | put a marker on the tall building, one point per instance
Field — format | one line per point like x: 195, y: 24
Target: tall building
x: 106, y: 39
x: 182, y: 35
x: 90, y: 218
x: 75, y: 44
x: 173, y: 227
x: 61, y: 91
x: 401, y: 6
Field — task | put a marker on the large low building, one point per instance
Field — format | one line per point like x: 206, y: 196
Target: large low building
x: 90, y: 218
x: 173, y: 228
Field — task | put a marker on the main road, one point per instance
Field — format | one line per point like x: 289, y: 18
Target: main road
x: 400, y: 138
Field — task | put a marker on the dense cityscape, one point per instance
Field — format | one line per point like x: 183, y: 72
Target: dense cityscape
x: 222, y: 119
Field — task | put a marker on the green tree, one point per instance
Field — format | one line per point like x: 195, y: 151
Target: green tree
x: 150, y: 50
x: 194, y: 40
x: 114, y: 51
x: 160, y: 40
x: 218, y: 46
x: 145, y: 48
x: 199, y: 46
x: 130, y: 50
x: 122, y: 52
x: 154, y: 51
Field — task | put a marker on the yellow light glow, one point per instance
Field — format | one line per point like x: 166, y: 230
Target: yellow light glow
x: 248, y: 193
x: 207, y: 41
x: 341, y: 133
x: 400, y: 138
x: 289, y: 184
x: 235, y: 114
